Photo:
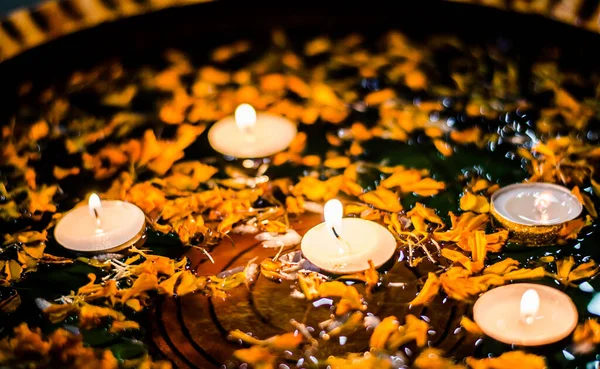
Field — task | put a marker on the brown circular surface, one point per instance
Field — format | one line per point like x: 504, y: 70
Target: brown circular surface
x: 192, y: 330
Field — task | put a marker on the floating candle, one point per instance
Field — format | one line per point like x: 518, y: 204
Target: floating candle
x: 525, y: 314
x: 345, y: 245
x: 249, y: 135
x: 534, y: 211
x: 102, y: 226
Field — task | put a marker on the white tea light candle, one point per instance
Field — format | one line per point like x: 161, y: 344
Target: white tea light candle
x: 248, y: 135
x: 525, y: 314
x: 101, y: 226
x: 345, y: 245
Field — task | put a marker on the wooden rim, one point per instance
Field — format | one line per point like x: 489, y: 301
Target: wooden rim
x: 31, y: 27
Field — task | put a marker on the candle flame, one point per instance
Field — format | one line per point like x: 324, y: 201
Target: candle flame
x: 334, y: 211
x: 245, y: 117
x: 541, y: 204
x: 530, y: 305
x: 95, y: 206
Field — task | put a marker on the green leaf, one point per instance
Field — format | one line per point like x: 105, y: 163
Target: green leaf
x: 128, y: 349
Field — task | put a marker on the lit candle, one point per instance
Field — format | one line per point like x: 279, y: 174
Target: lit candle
x: 525, y: 314
x: 534, y: 211
x: 101, y: 226
x: 345, y: 245
x: 248, y: 135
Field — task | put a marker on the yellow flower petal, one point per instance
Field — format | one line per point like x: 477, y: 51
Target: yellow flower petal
x: 432, y: 358
x: 458, y: 257
x: 382, y: 332
x: 443, y: 147
x: 502, y: 267
x: 383, y: 199
x: 428, y: 292
x: 525, y: 273
x: 426, y: 213
x: 470, y: 326
x: 476, y: 203
x: 509, y: 360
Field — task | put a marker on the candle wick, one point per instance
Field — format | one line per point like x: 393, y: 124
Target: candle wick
x: 336, y: 234
x: 529, y: 320
x: 249, y: 134
x: 346, y: 243
x: 97, y: 215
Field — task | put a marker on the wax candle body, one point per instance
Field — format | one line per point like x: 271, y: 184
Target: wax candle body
x: 536, y: 204
x: 268, y: 136
x: 498, y: 314
x: 120, y: 223
x: 361, y: 241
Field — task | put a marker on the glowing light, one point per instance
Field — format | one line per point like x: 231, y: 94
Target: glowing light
x: 333, y: 212
x: 530, y: 305
x: 245, y: 117
x: 542, y: 203
x: 95, y: 206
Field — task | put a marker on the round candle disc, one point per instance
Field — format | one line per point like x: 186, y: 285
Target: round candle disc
x: 536, y: 204
x: 122, y: 224
x: 271, y: 134
x: 362, y: 240
x: 498, y: 314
